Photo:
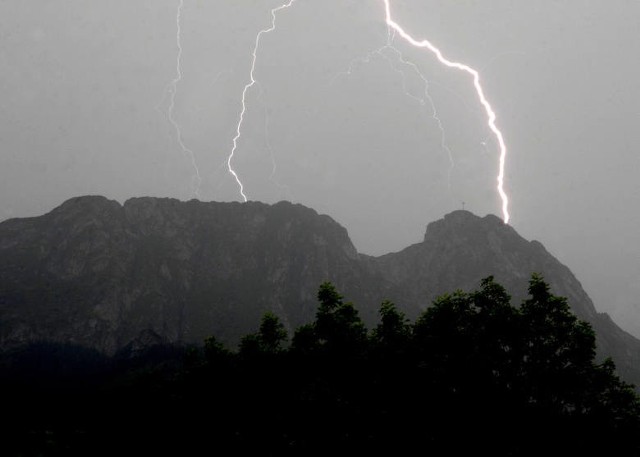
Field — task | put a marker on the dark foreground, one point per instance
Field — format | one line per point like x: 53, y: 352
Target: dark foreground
x: 472, y: 374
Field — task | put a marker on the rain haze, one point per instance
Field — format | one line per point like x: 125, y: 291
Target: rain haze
x: 337, y: 120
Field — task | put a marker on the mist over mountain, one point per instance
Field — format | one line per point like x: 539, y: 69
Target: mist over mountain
x: 111, y: 277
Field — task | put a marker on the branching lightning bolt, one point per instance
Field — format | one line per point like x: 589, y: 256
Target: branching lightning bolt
x: 172, y: 89
x: 393, y: 29
x: 423, y: 101
x: 249, y: 85
x: 483, y: 100
x: 434, y: 112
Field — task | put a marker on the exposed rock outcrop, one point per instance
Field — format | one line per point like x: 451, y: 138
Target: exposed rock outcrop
x: 117, y: 277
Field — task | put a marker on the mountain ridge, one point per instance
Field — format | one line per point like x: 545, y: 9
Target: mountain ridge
x: 100, y: 274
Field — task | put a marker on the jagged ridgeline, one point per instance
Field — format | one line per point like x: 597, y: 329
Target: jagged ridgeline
x: 108, y: 277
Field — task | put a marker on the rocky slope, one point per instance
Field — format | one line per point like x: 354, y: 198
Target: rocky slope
x: 95, y: 273
x: 461, y: 249
x: 102, y: 275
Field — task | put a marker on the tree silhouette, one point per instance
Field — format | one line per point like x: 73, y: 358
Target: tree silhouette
x: 268, y: 339
x: 473, y: 374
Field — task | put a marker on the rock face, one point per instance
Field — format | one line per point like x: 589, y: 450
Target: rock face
x: 461, y: 249
x: 95, y: 273
x: 107, y: 276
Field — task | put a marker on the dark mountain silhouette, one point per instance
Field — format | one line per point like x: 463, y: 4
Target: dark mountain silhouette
x: 113, y: 278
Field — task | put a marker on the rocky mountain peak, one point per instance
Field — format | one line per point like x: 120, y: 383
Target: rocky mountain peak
x: 461, y: 225
x: 107, y: 276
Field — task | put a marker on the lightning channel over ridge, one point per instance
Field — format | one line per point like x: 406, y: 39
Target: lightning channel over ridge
x: 395, y: 29
x: 252, y: 82
x: 423, y: 101
x: 479, y: 90
x: 172, y: 88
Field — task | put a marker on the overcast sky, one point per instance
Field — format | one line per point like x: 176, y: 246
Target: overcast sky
x: 85, y: 90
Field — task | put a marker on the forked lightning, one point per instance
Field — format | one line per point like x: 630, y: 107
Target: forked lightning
x: 173, y: 89
x: 397, y: 29
x: 249, y: 85
x: 483, y: 100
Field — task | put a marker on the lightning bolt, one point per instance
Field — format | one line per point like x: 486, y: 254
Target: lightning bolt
x: 249, y: 85
x: 491, y: 122
x: 393, y: 28
x: 426, y: 98
x: 434, y: 112
x: 172, y: 89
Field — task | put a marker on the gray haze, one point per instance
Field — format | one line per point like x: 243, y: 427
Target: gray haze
x: 84, y: 90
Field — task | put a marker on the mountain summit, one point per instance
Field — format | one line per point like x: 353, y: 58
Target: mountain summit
x: 102, y: 275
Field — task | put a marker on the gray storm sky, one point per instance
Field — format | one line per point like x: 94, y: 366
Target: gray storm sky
x: 84, y: 91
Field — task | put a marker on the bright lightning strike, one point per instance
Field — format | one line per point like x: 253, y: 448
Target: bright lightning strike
x: 173, y: 89
x: 483, y: 100
x: 396, y: 28
x: 249, y: 85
